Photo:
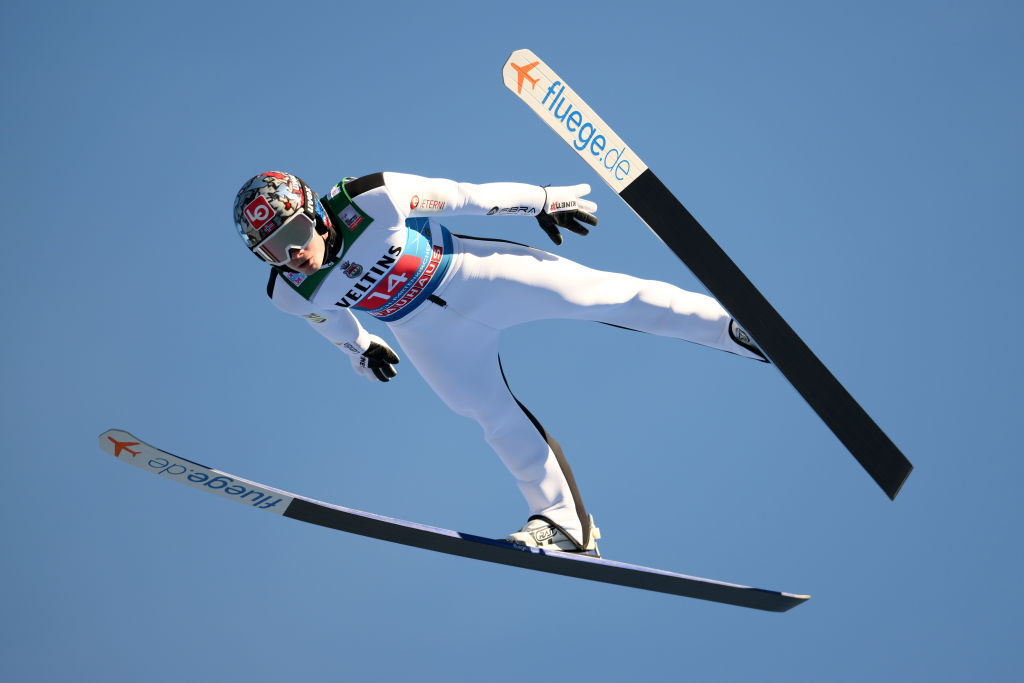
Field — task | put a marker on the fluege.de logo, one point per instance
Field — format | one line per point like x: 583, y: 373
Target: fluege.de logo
x: 559, y: 106
x: 203, y: 478
x: 587, y: 135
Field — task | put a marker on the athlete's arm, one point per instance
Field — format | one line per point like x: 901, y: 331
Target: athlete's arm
x: 554, y: 207
x: 419, y: 196
x: 370, y: 355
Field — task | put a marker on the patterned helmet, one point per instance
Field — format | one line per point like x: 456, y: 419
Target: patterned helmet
x: 267, y: 202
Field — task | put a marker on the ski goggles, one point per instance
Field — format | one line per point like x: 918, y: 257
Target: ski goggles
x: 295, y: 233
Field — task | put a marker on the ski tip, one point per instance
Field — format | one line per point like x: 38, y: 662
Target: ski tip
x: 802, y: 600
x: 892, y: 489
x: 117, y: 433
x: 113, y: 441
x: 521, y: 53
x: 518, y: 70
x: 788, y: 601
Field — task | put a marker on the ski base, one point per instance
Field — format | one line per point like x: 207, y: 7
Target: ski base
x: 133, y: 450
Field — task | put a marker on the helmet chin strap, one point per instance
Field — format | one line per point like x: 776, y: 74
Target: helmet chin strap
x: 332, y: 245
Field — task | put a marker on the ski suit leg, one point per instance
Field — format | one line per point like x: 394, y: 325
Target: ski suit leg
x: 519, y: 284
x: 458, y: 358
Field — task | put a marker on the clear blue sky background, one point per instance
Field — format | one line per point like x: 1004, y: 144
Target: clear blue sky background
x: 861, y: 161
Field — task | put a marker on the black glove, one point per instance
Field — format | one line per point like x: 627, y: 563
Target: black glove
x: 375, y: 363
x: 564, y: 207
x: 380, y: 360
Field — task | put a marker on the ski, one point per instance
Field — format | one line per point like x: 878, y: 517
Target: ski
x: 577, y: 124
x: 128, y: 448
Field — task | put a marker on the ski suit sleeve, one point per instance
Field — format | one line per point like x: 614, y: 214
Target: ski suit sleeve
x: 420, y: 196
x: 340, y: 326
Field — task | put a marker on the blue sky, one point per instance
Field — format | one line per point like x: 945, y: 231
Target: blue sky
x: 861, y: 162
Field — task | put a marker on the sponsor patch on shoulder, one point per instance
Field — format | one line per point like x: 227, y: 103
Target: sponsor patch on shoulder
x: 350, y: 217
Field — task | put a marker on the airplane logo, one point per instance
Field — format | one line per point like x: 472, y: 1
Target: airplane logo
x: 123, y: 446
x: 523, y: 73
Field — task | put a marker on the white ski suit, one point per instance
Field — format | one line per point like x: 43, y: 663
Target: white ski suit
x: 446, y: 299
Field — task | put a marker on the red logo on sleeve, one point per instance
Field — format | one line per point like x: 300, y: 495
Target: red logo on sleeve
x: 259, y: 212
x: 426, y: 204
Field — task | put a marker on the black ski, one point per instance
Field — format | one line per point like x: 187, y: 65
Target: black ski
x: 576, y: 123
x: 135, y: 451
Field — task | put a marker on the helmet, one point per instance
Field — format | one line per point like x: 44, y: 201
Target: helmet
x: 276, y: 212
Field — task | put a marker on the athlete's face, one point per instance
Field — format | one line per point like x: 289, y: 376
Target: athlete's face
x: 310, y: 258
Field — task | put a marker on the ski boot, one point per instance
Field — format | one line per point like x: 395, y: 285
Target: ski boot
x: 540, y: 532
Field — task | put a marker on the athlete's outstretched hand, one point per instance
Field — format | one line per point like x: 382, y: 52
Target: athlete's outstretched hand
x: 377, y: 362
x: 564, y: 207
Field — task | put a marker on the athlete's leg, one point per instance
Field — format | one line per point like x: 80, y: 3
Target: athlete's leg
x: 509, y: 284
x: 458, y: 358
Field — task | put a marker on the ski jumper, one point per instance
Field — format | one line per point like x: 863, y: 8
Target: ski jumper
x: 446, y: 299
